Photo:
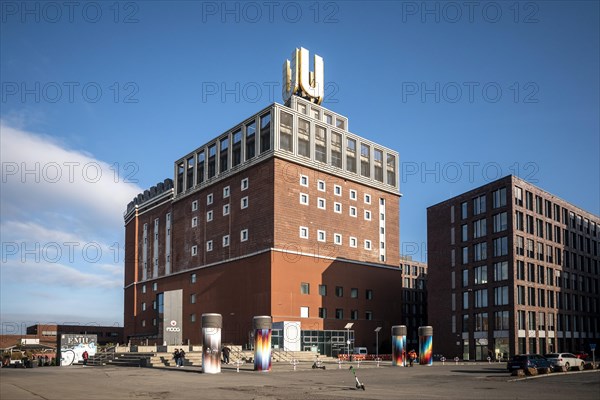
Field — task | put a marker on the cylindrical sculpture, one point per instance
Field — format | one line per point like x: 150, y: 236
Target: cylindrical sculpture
x: 263, y: 326
x: 425, y: 345
x: 399, y: 345
x: 211, y: 343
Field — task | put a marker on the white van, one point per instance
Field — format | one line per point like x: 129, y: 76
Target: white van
x: 360, y: 350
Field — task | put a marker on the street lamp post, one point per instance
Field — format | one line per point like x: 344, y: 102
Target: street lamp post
x: 377, y: 341
x: 348, y: 327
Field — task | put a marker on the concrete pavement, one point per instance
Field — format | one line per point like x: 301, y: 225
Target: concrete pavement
x: 450, y: 381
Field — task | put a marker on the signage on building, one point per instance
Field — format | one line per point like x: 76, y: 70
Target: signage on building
x: 72, y: 346
x: 299, y: 80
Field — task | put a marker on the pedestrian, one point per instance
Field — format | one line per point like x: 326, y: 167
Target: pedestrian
x: 85, y: 356
x: 181, y: 357
x: 226, y: 351
x: 412, y: 356
x: 176, y: 357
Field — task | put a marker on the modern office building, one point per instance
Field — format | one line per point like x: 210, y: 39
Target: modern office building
x: 287, y: 214
x: 512, y: 269
x: 414, y: 298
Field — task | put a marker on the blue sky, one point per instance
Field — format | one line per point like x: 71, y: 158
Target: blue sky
x: 100, y: 99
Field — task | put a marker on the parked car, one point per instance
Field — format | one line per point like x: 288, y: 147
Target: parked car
x: 582, y: 354
x: 567, y: 360
x: 524, y: 361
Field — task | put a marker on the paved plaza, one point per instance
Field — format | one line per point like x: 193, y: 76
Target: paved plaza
x: 450, y: 381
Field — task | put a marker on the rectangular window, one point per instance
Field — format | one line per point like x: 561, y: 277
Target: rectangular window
x: 500, y: 246
x: 194, y: 205
x: 303, y: 137
x: 350, y: 155
x: 322, y: 312
x: 209, y: 245
x: 244, y: 202
x: 194, y: 222
x: 226, y: 209
x: 354, y: 293
x: 352, y: 242
x: 339, y: 291
x: 321, y: 186
x: 193, y: 298
x: 352, y: 211
x: 369, y: 294
x: 464, y: 232
x: 336, y: 150
x: 321, y: 236
x: 368, y: 245
x: 500, y: 222
x: 194, y: 250
x: 337, y: 190
x: 243, y: 235
x: 378, y: 164
x: 323, y: 290
x: 501, y: 296
x: 226, y: 192
x: 501, y: 271
x: 499, y: 198
x: 391, y: 170
x: 337, y: 207
x: 465, y: 255
x: 209, y: 216
x: 245, y: 183
x: 354, y: 314
x: 285, y: 132
x: 480, y: 275
x: 212, y: 160
x: 321, y: 203
x: 481, y: 298
x: 337, y: 238
x: 304, y: 288
x: 265, y: 132
x: 463, y: 210
x: 479, y: 228
x: 225, y: 240
x: 236, y: 148
x: 367, y: 215
x: 339, y: 313
x: 353, y: 194
x: 518, y: 196
x: 480, y: 251
x: 520, y: 295
x: 365, y: 160
x: 224, y: 154
x: 320, y: 144
x: 251, y: 140
x: 304, y: 232
x: 304, y: 199
x: 193, y: 278
x: 303, y: 312
x: 479, y: 205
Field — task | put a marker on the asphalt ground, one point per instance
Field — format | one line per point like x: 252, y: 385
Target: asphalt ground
x: 449, y: 381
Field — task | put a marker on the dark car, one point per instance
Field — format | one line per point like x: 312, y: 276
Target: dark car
x: 524, y: 361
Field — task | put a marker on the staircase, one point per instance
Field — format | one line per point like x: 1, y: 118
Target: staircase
x: 130, y: 360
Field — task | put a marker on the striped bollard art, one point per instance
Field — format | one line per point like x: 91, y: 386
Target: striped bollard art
x: 399, y: 345
x: 262, y: 343
x: 425, y: 345
x: 211, y: 343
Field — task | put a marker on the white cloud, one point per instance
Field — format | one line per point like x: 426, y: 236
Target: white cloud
x: 44, y: 180
x: 54, y: 202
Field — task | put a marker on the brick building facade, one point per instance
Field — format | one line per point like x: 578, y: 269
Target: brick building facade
x: 512, y: 269
x: 287, y: 214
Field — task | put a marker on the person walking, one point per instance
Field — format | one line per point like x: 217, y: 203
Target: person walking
x: 85, y: 356
x: 181, y: 357
x: 412, y: 356
x: 226, y: 350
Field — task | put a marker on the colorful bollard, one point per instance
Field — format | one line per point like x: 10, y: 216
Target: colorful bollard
x: 211, y: 343
x: 263, y: 327
x: 425, y: 345
x: 399, y: 345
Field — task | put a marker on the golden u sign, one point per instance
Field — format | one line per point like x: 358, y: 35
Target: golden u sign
x: 299, y: 80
